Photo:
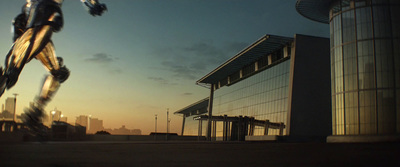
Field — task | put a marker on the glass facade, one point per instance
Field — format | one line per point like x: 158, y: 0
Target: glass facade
x: 263, y: 96
x: 192, y: 126
x: 365, y: 63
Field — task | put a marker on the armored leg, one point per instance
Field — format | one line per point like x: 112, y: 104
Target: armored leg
x: 30, y: 44
x: 59, y: 73
x: 50, y: 86
x: 30, y: 41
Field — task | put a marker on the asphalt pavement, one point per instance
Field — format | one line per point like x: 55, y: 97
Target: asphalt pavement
x: 204, y: 154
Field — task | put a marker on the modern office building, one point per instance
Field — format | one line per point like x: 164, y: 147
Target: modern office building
x: 276, y: 86
x: 365, y: 63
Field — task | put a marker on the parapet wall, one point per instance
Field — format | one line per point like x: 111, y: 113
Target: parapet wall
x: 143, y: 138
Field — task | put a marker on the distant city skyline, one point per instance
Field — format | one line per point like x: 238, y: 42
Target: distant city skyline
x: 124, y: 131
x: 92, y: 124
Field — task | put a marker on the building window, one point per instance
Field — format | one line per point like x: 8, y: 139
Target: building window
x: 366, y: 69
x: 223, y: 82
x: 264, y: 95
x: 235, y: 77
x: 364, y: 24
x: 249, y: 69
x: 348, y: 22
x: 382, y: 21
x: 262, y: 62
x: 365, y: 66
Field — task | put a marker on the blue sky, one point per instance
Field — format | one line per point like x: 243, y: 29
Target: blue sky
x: 144, y: 56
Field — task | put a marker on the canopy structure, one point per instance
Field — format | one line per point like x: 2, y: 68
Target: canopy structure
x: 199, y: 107
x: 317, y: 10
x: 264, y: 46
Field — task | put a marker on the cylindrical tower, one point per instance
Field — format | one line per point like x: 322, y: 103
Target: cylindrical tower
x: 365, y: 63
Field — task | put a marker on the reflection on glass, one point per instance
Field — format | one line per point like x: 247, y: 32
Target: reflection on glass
x: 364, y: 24
x: 367, y: 112
x: 263, y: 96
x: 348, y: 26
x: 382, y: 27
x: 395, y: 14
x: 365, y: 67
x: 192, y: 126
x: 386, y: 112
x: 350, y: 66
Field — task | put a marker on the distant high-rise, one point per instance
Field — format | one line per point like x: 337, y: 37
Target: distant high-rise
x: 95, y: 125
x: 82, y: 120
x: 63, y: 118
x: 8, y: 112
x: 55, y: 115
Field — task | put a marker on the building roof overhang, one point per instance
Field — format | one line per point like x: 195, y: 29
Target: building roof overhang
x: 264, y: 46
x: 317, y: 10
x: 198, y: 106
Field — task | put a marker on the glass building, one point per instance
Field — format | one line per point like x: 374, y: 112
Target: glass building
x: 190, y: 126
x: 365, y: 63
x: 277, y: 79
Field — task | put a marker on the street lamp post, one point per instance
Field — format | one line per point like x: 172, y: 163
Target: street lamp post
x: 167, y: 121
x: 166, y: 136
x: 155, y: 128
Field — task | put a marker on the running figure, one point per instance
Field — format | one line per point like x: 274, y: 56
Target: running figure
x: 33, y: 29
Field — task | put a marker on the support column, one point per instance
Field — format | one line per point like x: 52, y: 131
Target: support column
x: 7, y: 127
x: 266, y: 127
x: 229, y: 134
x: 14, y: 126
x: 225, y: 129
x: 246, y: 122
x: 210, y: 104
x: 214, y: 134
x: 183, y: 124
x: 240, y: 128
x: 200, y: 130
x: 252, y: 126
x: 281, y: 126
